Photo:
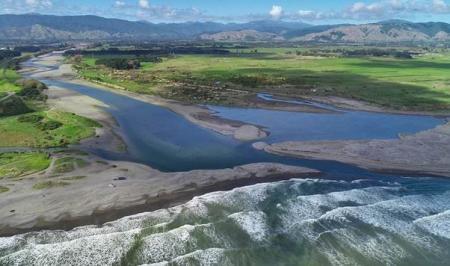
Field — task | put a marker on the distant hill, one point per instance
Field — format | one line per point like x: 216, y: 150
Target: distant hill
x: 241, y: 36
x: 35, y: 27
x: 44, y: 27
x: 394, y: 31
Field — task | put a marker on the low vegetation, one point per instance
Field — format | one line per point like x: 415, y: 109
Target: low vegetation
x: 73, y: 178
x: 119, y: 63
x: 14, y: 165
x: 389, y: 78
x: 45, y: 129
x: 13, y: 105
x: 32, y: 90
x: 3, y: 189
x: 8, y: 78
x: 26, y: 121
x: 68, y: 164
x: 49, y: 184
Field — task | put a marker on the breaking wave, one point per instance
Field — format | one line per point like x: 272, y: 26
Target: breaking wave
x: 295, y: 222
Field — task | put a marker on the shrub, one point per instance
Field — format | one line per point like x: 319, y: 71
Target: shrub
x: 50, y: 184
x: 32, y: 89
x: 32, y: 83
x: 30, y: 118
x: 32, y: 94
x: 119, y: 63
x: 13, y: 105
x: 49, y: 125
x: 4, y: 54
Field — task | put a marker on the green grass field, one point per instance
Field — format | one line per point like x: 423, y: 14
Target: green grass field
x: 14, y: 165
x: 422, y: 83
x: 73, y: 128
x: 7, y: 81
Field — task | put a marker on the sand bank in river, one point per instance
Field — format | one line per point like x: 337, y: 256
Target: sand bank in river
x: 426, y: 152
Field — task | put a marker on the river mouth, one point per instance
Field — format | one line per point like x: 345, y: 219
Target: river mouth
x: 168, y: 142
x: 164, y: 140
x: 349, y: 216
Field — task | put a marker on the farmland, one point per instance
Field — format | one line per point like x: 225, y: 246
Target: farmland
x: 420, y: 83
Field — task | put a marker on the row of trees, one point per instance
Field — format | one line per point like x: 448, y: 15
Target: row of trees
x: 7, y: 54
x: 378, y: 53
x: 158, y: 51
x: 119, y: 63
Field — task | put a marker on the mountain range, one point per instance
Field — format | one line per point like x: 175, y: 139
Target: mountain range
x: 47, y: 28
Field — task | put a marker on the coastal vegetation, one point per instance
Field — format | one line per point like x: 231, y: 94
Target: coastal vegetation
x: 45, y: 129
x: 49, y: 184
x: 8, y: 77
x: 403, y: 78
x: 68, y: 164
x: 14, y: 164
x: 26, y: 122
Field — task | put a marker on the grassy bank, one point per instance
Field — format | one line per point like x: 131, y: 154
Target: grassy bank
x: 14, y: 165
x: 8, y: 80
x: 45, y: 129
x: 27, y: 121
x: 421, y: 83
x: 36, y: 126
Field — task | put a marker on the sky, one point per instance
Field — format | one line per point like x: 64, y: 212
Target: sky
x: 309, y: 11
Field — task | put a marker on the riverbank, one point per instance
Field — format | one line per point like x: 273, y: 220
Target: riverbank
x: 196, y: 114
x: 426, y: 153
x: 108, y: 136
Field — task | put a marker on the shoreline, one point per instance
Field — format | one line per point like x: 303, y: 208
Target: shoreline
x: 357, y: 105
x: 99, y: 197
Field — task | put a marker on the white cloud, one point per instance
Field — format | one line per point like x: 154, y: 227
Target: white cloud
x: 307, y: 14
x: 276, y: 12
x: 360, y: 7
x: 39, y: 3
x: 357, y: 10
x: 440, y: 6
x: 119, y: 3
x: 166, y: 13
x: 145, y: 4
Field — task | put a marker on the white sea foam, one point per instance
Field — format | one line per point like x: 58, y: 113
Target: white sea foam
x: 438, y: 224
x: 355, y: 222
x: 253, y: 223
x: 211, y: 256
x: 94, y: 250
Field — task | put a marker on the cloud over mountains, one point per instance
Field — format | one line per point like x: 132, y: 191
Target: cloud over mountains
x: 357, y: 11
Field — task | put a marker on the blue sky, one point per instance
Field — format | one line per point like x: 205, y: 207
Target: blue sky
x: 311, y: 11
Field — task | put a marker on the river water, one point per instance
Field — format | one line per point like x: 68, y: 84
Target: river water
x: 348, y: 217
